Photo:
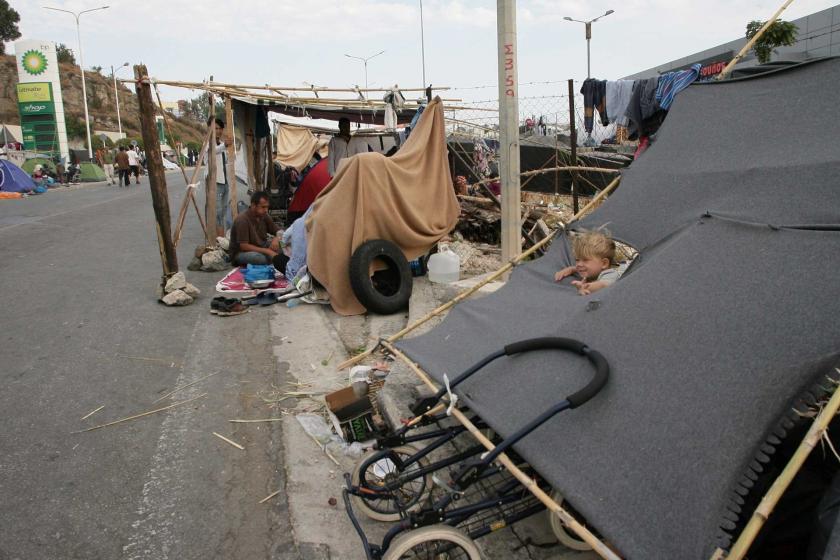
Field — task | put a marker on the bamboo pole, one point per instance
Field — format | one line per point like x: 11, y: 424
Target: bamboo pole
x: 465, y: 294
x: 231, y: 160
x: 136, y: 416
x: 163, y: 113
x: 781, y: 484
x: 233, y: 443
x: 211, y: 83
x: 573, y: 142
x: 210, y: 180
x: 190, y: 196
x: 585, y: 534
x: 728, y: 69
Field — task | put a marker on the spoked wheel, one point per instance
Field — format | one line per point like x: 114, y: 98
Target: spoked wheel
x: 436, y: 542
x: 408, y: 497
x: 564, y: 535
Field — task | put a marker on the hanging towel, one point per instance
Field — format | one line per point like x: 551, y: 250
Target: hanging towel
x: 672, y: 83
x: 619, y: 93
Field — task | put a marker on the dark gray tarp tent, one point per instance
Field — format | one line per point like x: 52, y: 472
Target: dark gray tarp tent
x: 729, y: 314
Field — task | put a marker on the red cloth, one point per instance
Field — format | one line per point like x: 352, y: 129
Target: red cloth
x: 312, y: 185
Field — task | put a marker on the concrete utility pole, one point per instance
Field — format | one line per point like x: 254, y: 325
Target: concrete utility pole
x: 509, y: 128
x: 157, y: 178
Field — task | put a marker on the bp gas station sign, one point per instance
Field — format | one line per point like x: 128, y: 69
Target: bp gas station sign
x: 40, y: 105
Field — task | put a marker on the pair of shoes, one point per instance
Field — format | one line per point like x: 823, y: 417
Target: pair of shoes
x: 226, y: 307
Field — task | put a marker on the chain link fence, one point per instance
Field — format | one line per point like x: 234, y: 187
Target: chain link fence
x: 539, y: 115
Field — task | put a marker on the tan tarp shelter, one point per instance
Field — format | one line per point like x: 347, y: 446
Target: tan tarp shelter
x: 407, y: 199
x: 296, y: 146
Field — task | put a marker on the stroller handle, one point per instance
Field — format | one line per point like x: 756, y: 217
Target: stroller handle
x: 602, y: 368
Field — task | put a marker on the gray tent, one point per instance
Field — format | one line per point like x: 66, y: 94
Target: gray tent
x: 727, y: 319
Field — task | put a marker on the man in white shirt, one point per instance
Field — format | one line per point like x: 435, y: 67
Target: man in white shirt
x: 223, y: 213
x: 343, y: 146
x: 134, y: 164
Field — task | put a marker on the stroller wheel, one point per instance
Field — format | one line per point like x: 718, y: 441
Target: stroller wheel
x: 436, y: 542
x: 564, y: 535
x: 409, y: 497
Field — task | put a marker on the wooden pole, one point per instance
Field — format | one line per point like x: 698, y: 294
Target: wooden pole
x: 465, y: 294
x: 211, y: 83
x: 573, y: 142
x: 528, y: 482
x: 728, y: 69
x: 781, y: 484
x: 157, y: 178
x: 508, y: 127
x: 231, y: 159
x: 210, y: 180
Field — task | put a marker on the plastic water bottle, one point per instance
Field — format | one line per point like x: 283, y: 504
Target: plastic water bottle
x: 444, y: 266
x: 293, y: 303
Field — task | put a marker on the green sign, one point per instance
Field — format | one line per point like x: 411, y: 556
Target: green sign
x: 37, y: 116
x: 37, y: 108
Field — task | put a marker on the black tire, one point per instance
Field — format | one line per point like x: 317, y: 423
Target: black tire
x: 385, y: 291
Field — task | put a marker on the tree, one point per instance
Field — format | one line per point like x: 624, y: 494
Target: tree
x: 97, y: 69
x: 780, y: 33
x: 63, y: 54
x: 9, y: 19
x: 199, y: 107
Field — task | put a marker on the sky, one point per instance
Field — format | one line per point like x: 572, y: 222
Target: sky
x: 285, y: 43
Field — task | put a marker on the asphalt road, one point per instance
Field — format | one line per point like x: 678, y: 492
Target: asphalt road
x: 81, y: 329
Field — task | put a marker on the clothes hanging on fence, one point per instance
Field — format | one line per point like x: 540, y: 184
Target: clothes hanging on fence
x: 643, y: 104
x: 672, y: 83
x: 394, y: 101
x: 594, y: 97
x: 619, y: 93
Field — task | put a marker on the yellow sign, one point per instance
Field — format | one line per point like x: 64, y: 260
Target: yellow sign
x: 33, y: 92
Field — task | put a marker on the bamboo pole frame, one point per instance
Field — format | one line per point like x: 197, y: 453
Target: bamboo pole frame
x: 190, y: 195
x: 211, y: 83
x: 465, y: 294
x: 783, y: 481
x: 231, y: 161
x: 580, y: 530
x: 210, y: 180
x: 728, y: 68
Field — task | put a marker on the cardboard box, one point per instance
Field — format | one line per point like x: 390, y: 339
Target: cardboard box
x: 352, y: 413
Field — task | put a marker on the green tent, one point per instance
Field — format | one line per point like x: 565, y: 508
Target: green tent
x: 91, y: 172
x: 29, y: 165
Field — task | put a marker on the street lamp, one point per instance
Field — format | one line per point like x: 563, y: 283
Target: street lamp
x: 81, y: 66
x: 365, y: 60
x: 588, y: 25
x: 422, y: 44
x: 117, y: 95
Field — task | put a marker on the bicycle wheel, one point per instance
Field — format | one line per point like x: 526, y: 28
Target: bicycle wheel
x: 564, y: 535
x: 436, y: 542
x: 408, y: 497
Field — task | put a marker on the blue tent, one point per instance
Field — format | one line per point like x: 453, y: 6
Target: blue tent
x: 14, y: 179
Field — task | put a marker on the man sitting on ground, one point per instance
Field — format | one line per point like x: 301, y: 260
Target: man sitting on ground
x: 249, y: 242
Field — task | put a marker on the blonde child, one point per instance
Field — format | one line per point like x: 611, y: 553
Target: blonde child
x: 594, y: 263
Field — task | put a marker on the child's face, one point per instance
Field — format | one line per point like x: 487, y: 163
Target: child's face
x: 590, y: 267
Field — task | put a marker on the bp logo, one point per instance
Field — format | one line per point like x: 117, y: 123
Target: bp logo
x: 34, y: 62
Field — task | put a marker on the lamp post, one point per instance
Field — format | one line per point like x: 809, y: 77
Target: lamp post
x: 422, y: 44
x: 588, y: 25
x: 77, y: 15
x: 117, y: 94
x: 365, y: 60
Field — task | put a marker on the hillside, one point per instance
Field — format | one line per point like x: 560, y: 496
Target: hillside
x: 101, y: 104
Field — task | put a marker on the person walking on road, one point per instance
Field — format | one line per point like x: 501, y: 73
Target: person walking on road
x: 107, y: 163
x: 123, y: 166
x: 134, y: 164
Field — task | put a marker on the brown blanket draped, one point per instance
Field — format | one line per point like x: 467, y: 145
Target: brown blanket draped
x: 407, y: 199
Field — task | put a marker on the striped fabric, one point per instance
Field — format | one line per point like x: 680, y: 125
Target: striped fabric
x: 672, y: 83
